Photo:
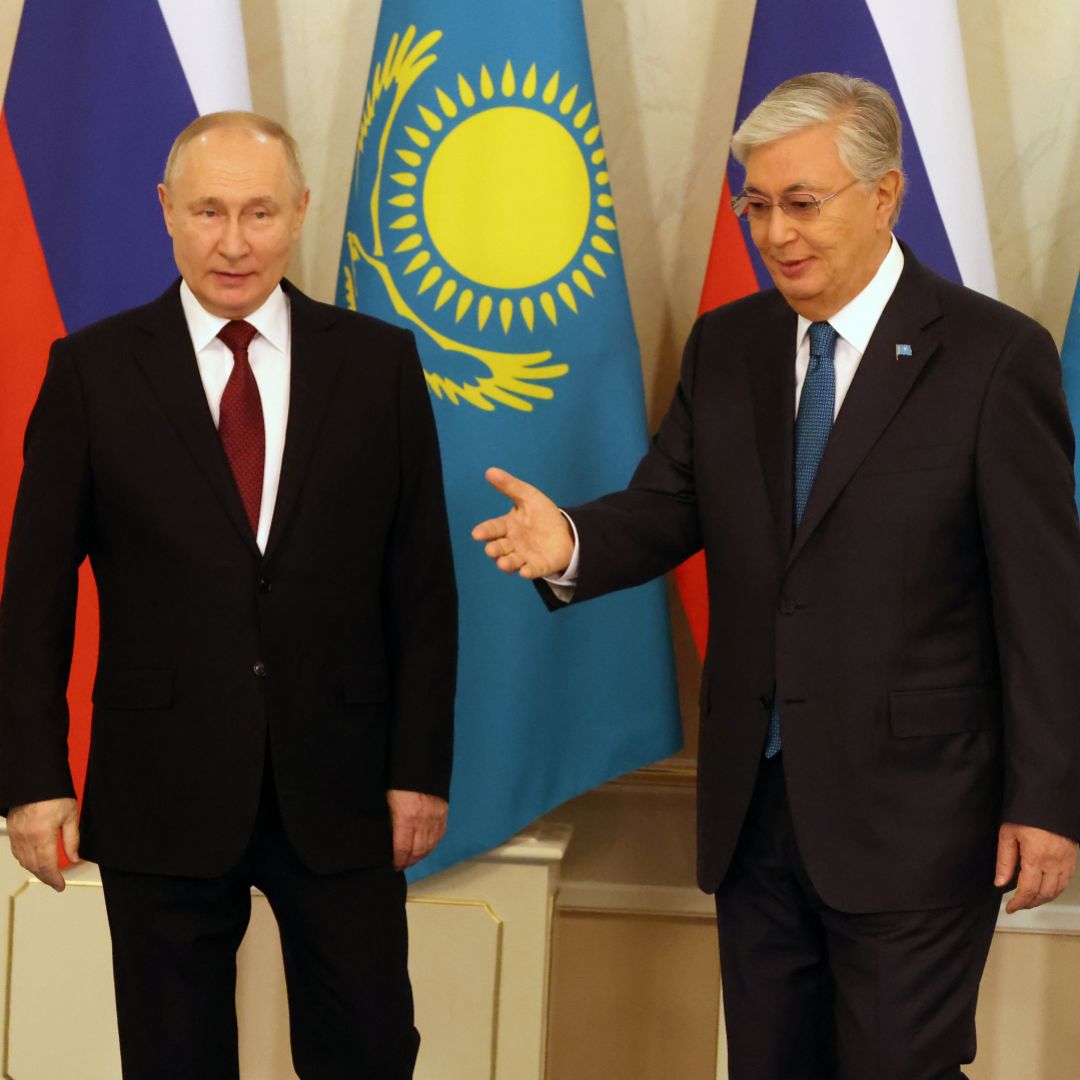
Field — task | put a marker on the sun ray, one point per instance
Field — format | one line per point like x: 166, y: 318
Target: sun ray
x: 509, y: 82
x: 448, y: 289
x: 430, y: 118
x: 551, y: 89
x: 506, y: 313
x: 602, y: 178
x: 408, y: 221
x: 411, y: 158
x: 466, y: 92
x: 430, y: 278
x: 410, y: 243
x: 592, y: 135
x: 528, y: 312
x: 592, y: 263
x: 421, y: 138
x: 483, y: 311
x: 598, y: 156
x: 547, y: 302
x: 487, y: 87
x: 419, y: 260
x: 567, y: 102
x: 605, y: 200
x: 404, y: 200
x: 582, y: 115
x: 464, y: 302
x: 604, y: 222
x: 600, y: 244
x: 582, y: 282
x: 528, y: 88
x: 405, y: 179
x: 566, y: 294
x: 446, y: 103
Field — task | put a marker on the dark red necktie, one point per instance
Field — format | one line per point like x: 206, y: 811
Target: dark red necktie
x: 240, y: 423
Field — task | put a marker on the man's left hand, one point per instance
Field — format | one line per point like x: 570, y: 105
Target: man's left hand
x: 1047, y: 861
x: 419, y: 822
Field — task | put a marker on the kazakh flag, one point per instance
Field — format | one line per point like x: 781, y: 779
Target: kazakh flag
x: 1070, y: 362
x: 481, y: 218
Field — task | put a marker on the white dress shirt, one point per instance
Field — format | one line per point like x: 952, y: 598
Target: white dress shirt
x: 270, y: 357
x: 854, y: 324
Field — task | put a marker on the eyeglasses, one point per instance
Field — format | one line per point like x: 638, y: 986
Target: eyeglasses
x: 798, y: 206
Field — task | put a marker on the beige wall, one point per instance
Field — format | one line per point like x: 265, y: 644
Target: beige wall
x: 667, y: 76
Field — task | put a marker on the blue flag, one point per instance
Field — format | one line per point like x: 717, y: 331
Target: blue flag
x: 1070, y: 362
x: 481, y: 218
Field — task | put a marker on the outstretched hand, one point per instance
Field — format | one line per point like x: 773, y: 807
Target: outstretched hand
x: 533, y: 540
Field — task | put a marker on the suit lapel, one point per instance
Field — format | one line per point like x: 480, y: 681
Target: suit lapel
x: 772, y: 378
x: 315, y: 360
x: 881, y: 383
x: 167, y: 360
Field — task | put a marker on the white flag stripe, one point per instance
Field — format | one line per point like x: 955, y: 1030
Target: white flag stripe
x: 922, y: 42
x: 209, y: 39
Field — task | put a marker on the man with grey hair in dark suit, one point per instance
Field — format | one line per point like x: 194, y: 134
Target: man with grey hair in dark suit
x: 878, y: 465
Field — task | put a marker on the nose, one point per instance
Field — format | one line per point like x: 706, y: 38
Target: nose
x: 780, y: 228
x: 233, y: 243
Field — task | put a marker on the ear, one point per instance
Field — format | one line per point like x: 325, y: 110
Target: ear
x: 301, y: 212
x: 166, y: 206
x: 889, y: 189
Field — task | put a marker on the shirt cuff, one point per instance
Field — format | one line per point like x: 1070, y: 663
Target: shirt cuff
x: 563, y: 586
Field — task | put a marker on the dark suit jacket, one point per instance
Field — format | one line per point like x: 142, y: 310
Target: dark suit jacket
x: 922, y: 626
x: 339, y: 643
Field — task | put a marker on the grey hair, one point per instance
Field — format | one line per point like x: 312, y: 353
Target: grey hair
x: 869, y: 132
x: 241, y: 121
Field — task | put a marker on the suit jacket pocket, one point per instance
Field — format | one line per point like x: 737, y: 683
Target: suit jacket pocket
x: 365, y: 685
x: 914, y: 713
x: 908, y: 459
x: 146, y: 688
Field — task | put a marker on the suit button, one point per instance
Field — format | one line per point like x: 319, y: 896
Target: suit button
x: 788, y: 606
x: 264, y: 585
x: 260, y: 669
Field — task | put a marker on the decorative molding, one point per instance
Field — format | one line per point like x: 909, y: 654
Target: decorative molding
x: 672, y: 772
x: 611, y: 898
x: 685, y: 901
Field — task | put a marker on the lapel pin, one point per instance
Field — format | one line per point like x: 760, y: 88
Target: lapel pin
x: 902, y: 350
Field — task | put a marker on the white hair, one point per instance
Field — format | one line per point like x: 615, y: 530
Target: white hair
x: 868, y: 128
x: 239, y: 120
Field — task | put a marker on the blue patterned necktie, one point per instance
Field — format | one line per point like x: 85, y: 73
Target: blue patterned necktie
x: 812, y: 426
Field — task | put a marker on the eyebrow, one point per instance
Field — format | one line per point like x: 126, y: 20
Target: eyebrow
x: 800, y: 185
x: 213, y: 203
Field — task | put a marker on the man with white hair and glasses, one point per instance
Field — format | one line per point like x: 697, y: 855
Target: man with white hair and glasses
x: 878, y: 464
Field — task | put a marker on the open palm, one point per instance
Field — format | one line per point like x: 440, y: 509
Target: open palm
x: 533, y: 540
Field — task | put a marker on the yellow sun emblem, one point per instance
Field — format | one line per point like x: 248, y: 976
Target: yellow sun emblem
x: 491, y: 212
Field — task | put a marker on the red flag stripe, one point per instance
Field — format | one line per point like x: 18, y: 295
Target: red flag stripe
x: 29, y: 322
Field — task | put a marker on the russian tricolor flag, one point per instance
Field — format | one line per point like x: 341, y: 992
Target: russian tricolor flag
x: 97, y: 92
x: 913, y: 49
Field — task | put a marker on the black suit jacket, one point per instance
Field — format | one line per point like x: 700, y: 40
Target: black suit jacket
x: 336, y: 649
x: 922, y: 626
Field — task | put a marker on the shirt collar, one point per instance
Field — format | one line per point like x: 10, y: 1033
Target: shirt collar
x: 271, y: 320
x: 855, y: 322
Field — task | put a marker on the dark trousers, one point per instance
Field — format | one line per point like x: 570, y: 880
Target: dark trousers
x: 344, y: 942
x: 811, y: 993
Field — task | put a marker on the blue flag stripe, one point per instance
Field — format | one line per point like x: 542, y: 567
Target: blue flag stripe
x: 1070, y: 362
